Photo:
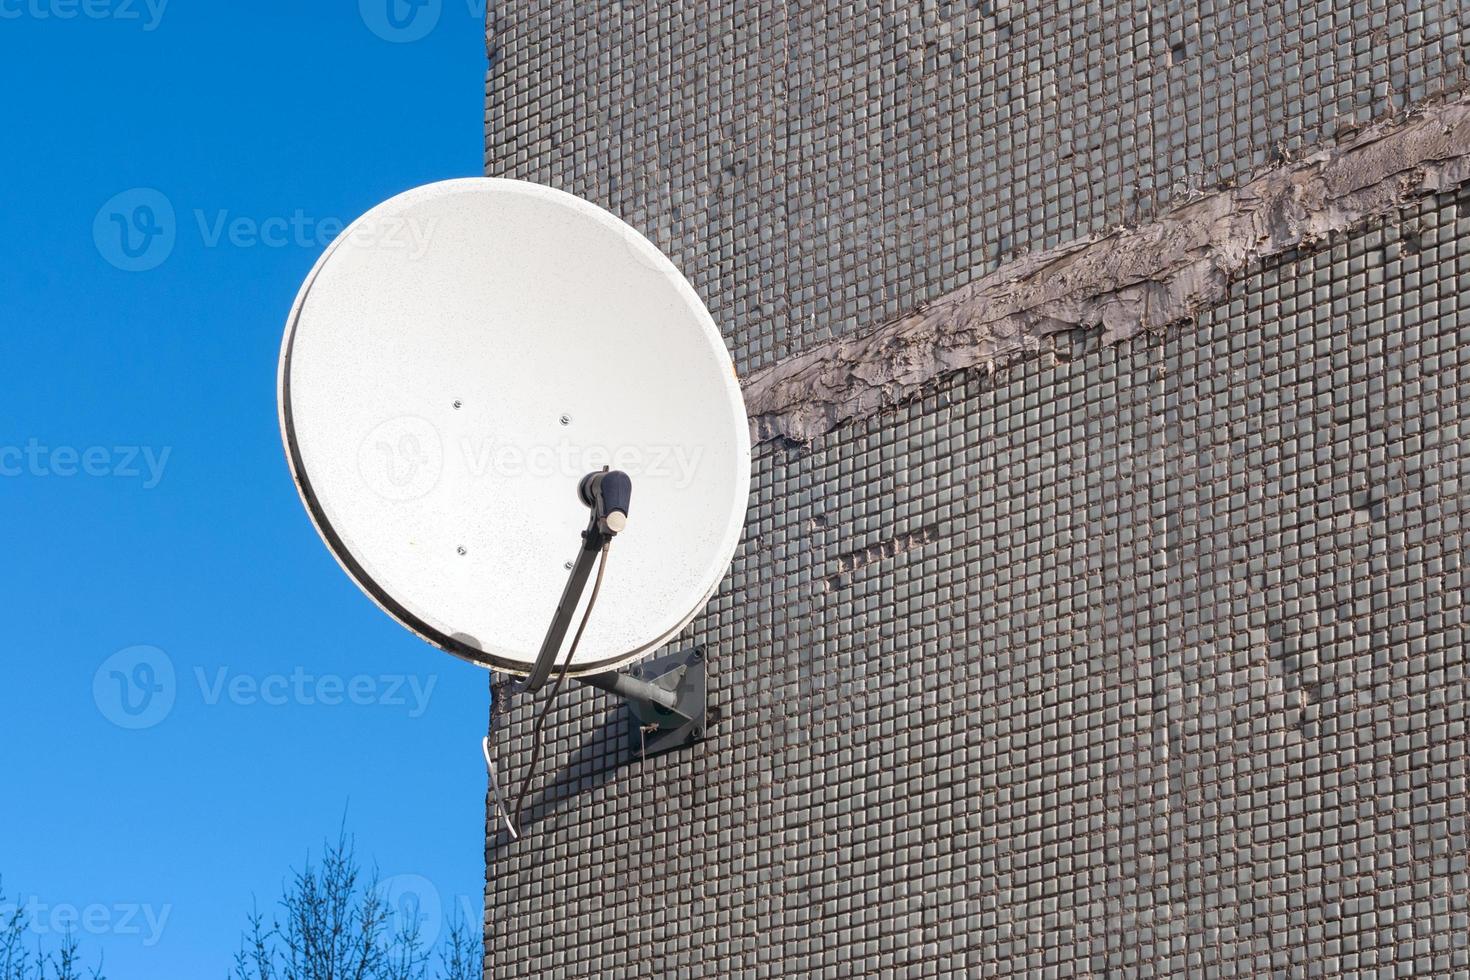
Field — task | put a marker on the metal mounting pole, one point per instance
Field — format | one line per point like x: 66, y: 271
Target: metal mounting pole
x: 667, y: 697
x: 607, y: 495
x: 592, y: 543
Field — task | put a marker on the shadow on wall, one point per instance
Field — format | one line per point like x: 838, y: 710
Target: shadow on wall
x: 594, y: 764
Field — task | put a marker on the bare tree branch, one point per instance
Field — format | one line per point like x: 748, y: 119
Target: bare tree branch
x: 334, y: 924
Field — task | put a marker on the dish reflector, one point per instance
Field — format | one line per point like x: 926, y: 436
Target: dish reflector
x: 459, y: 359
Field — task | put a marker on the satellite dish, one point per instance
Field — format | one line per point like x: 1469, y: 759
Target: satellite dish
x: 456, y: 364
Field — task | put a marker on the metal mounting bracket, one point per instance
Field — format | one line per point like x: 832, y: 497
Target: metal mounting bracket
x: 666, y: 696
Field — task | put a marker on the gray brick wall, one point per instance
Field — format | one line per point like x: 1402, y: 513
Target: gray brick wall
x: 817, y: 165
x: 1124, y: 660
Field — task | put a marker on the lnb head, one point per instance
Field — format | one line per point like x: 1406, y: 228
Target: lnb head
x: 608, y: 493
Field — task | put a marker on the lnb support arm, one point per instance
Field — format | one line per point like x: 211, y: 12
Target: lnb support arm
x: 607, y: 495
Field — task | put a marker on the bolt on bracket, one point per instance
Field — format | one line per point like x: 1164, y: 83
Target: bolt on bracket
x: 666, y: 696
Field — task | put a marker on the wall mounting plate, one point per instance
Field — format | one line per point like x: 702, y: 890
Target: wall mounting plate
x: 667, y: 697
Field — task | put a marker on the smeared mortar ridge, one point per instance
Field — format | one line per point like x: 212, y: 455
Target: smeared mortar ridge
x: 1126, y: 282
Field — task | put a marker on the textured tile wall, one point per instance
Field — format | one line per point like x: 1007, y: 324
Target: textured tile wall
x: 817, y: 165
x: 1144, y: 660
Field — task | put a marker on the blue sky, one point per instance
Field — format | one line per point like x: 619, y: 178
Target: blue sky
x: 194, y: 694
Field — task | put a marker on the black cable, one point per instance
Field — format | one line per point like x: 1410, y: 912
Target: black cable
x: 556, y: 687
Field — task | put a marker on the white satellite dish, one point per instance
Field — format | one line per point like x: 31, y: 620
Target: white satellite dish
x: 457, y: 362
